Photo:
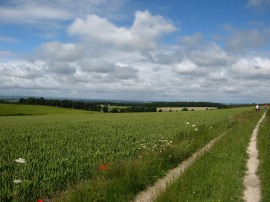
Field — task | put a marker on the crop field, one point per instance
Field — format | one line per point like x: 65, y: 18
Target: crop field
x: 102, y: 157
x: 174, y: 109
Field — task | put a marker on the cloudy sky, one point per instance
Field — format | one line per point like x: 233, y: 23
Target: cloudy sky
x: 168, y: 50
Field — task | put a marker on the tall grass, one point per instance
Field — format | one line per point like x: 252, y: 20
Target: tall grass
x: 66, y: 150
x: 264, y: 153
x: 218, y: 175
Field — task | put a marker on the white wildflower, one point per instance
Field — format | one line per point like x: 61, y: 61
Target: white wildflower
x: 196, y: 129
x: 17, y: 181
x: 187, y: 123
x: 193, y: 125
x: 20, y: 160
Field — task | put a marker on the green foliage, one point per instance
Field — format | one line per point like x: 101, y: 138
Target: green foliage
x: 105, y: 109
x: 62, y: 150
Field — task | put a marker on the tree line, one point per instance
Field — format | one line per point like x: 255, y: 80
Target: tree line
x: 90, y: 106
x: 105, y: 106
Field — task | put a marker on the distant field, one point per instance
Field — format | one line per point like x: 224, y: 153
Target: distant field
x: 174, y: 109
x: 65, y: 147
x: 119, y: 107
x: 20, y: 110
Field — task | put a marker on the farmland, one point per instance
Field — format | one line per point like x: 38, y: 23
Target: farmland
x: 63, y: 151
x: 174, y: 109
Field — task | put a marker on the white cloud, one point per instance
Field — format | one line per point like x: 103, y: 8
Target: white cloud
x: 60, y: 67
x: 258, y: 3
x: 246, y: 40
x: 252, y: 68
x: 186, y: 67
x: 38, y: 11
x: 96, y: 65
x: 192, y: 40
x: 109, y: 59
x: 56, y: 51
x: 210, y: 55
x: 144, y: 32
x: 32, y: 14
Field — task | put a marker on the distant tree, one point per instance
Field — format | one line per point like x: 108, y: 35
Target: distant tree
x: 105, y: 109
x: 160, y: 110
x: 114, y: 110
x: 184, y: 109
x: 22, y: 101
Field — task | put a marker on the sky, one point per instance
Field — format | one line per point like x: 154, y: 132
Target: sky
x: 147, y: 50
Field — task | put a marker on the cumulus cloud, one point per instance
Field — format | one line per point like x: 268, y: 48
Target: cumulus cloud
x: 109, y: 60
x: 252, y: 68
x: 186, y: 67
x: 21, y: 70
x: 96, y: 65
x: 56, y: 51
x: 60, y: 67
x: 192, y: 40
x: 144, y: 32
x: 210, y: 55
x: 245, y: 40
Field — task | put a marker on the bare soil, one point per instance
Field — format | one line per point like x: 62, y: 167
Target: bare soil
x: 252, y: 191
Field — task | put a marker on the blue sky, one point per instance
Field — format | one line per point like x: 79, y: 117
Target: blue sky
x: 211, y: 50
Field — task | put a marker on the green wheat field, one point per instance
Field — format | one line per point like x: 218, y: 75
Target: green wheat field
x: 57, y: 154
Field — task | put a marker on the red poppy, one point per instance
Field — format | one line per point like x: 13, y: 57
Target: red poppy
x: 104, y: 167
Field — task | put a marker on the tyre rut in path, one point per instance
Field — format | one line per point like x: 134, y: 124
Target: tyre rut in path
x: 252, y: 192
x: 152, y: 192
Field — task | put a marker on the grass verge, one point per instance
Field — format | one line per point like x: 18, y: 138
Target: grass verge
x: 264, y: 153
x: 218, y: 175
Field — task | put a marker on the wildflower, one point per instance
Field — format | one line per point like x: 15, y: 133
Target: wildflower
x: 17, y: 181
x: 39, y: 200
x: 20, y: 160
x: 104, y: 167
x: 193, y: 125
x: 171, y: 142
x: 196, y: 129
x: 187, y: 123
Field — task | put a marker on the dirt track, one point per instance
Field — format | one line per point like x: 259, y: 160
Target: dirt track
x: 252, y: 191
x: 152, y: 192
x: 251, y: 181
